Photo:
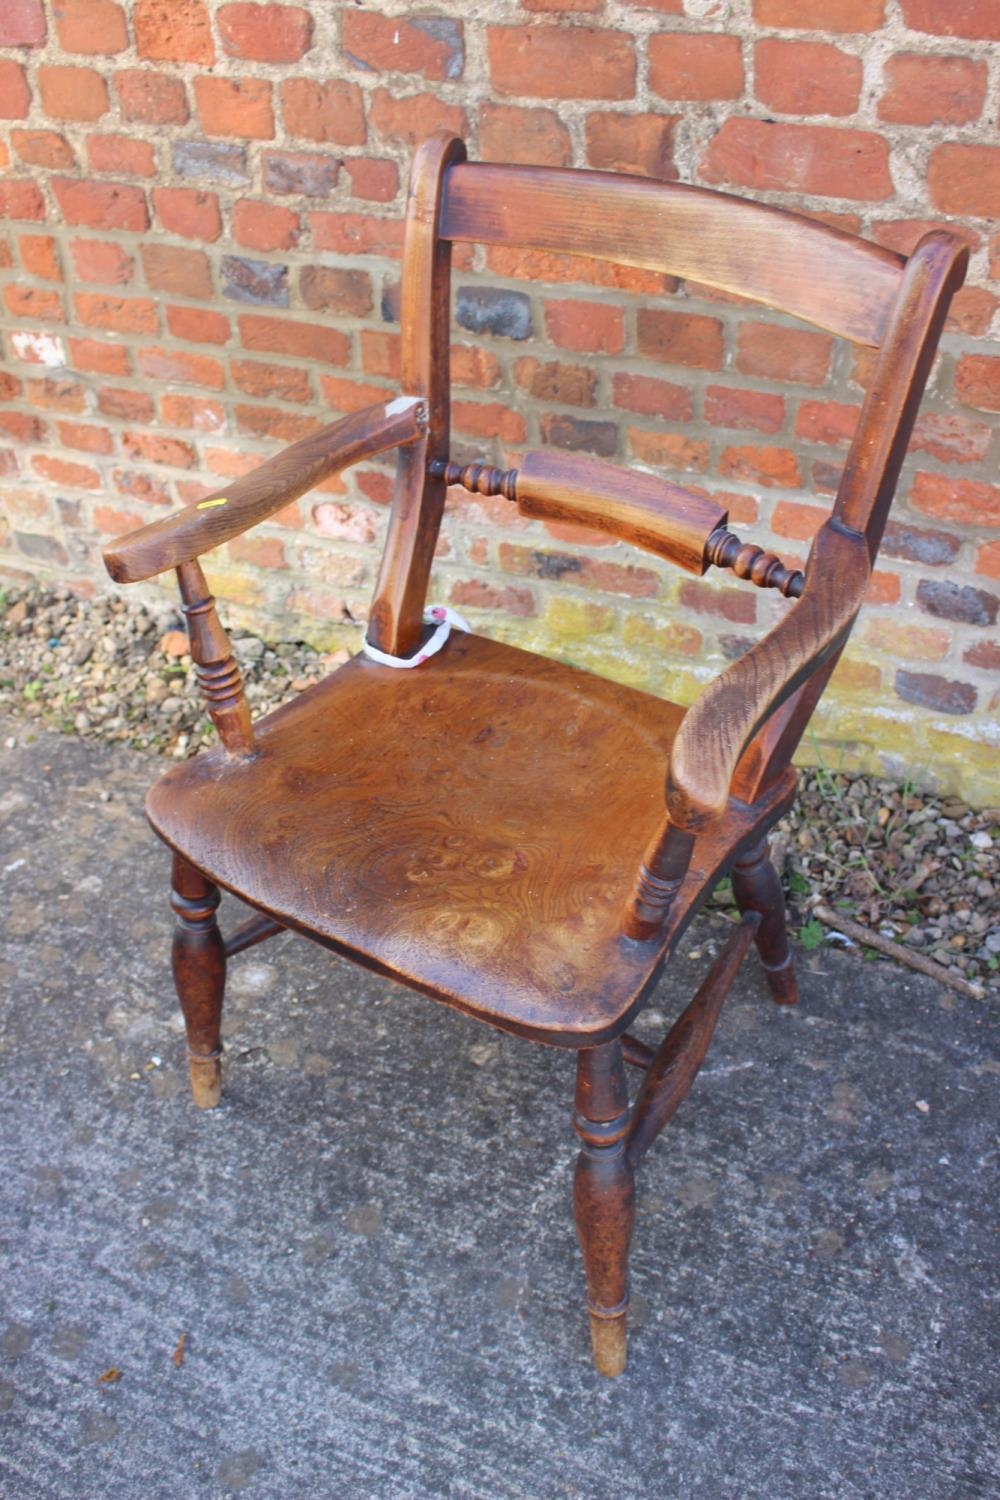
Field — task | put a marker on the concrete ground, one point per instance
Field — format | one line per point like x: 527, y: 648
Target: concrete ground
x: 369, y: 1247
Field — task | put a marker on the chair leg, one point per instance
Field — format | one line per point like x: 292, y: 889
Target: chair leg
x: 757, y: 888
x: 604, y: 1198
x: 199, y: 964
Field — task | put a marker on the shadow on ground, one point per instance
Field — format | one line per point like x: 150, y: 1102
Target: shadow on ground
x: 369, y: 1248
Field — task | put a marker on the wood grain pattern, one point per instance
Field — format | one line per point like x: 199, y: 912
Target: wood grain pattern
x: 775, y: 257
x: 604, y: 1198
x: 224, y: 514
x: 215, y: 666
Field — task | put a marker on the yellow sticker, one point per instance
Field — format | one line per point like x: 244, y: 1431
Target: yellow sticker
x: 211, y: 504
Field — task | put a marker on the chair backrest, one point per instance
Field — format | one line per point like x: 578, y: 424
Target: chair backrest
x: 845, y: 285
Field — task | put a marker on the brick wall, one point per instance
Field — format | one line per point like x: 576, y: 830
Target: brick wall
x: 199, y: 258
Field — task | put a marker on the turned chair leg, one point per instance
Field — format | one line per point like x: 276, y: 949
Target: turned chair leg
x: 199, y: 964
x: 757, y: 888
x: 604, y: 1198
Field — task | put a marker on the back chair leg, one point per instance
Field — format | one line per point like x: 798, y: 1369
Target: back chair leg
x: 757, y: 888
x: 199, y: 964
x: 604, y: 1198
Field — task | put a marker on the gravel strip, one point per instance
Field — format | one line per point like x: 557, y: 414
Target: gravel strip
x: 919, y: 868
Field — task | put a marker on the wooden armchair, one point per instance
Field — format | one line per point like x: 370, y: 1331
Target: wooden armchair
x: 518, y: 839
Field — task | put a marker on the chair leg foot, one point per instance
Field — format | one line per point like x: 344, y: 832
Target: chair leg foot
x: 199, y: 964
x: 757, y: 888
x: 604, y: 1198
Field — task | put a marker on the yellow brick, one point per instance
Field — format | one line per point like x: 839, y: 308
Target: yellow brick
x: 568, y: 619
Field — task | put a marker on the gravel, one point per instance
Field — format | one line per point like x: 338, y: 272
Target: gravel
x: 917, y: 867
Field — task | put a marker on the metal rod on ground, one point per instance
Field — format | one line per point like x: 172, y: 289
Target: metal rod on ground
x: 869, y: 939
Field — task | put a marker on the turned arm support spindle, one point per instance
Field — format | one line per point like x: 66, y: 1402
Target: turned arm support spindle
x: 215, y: 666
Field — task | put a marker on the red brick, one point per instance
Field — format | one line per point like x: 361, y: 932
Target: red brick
x: 680, y: 338
x: 15, y: 96
x: 114, y: 522
x: 265, y: 33
x: 922, y: 90
x: 632, y: 143
x: 769, y: 466
x: 695, y: 65
x: 57, y: 393
x: 22, y: 428
x: 476, y: 593
x: 735, y: 604
x: 20, y: 200
x: 570, y: 385
x: 302, y: 340
x: 85, y: 436
x: 988, y: 560
x: 475, y: 367
x: 101, y: 205
x: 264, y: 226
x: 235, y: 106
x: 30, y: 302
x: 536, y: 137
x: 380, y: 353
x: 332, y: 111
x: 775, y: 353
x: 411, y: 119
x: 72, y: 93
x: 587, y: 327
x: 357, y: 234
x: 488, y: 419
x: 542, y: 62
x: 977, y: 381
x: 258, y: 551
x: 965, y: 179
x: 22, y: 23
x: 978, y: 20
x: 154, y: 448
x: 972, y: 309
x: 102, y: 261
x: 10, y: 386
x: 545, y: 266
x: 91, y: 26
x: 60, y: 471
x: 128, y: 406
x: 334, y: 289
x: 806, y: 78
x: 396, y: 44
x: 964, y: 501
x: 652, y: 398
x: 119, y: 314
x: 188, y: 212
x: 351, y: 395
x: 800, y: 522
x: 585, y: 7
x: 951, y: 437
x: 120, y: 153
x: 582, y: 572
x: 271, y: 423
x: 756, y: 410
x: 173, y: 30
x: 826, y: 422
x: 283, y: 382
x: 40, y: 256
x: 179, y: 365
x: 177, y: 270
x: 373, y: 178
x: 669, y: 450
x: 98, y: 358
x: 198, y: 326
x: 818, y: 160
x: 151, y: 98
x: 821, y: 15
x: 43, y: 148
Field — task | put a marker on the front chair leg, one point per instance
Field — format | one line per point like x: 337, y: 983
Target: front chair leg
x: 199, y: 964
x: 604, y: 1198
x: 757, y: 888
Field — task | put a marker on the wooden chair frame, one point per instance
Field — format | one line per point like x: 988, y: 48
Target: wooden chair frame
x: 728, y: 775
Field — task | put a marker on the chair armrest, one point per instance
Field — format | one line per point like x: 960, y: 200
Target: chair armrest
x: 719, y: 725
x: 228, y: 512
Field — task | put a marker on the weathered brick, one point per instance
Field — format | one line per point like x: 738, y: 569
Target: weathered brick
x: 931, y: 548
x: 62, y: 471
x: 40, y: 256
x: 198, y: 326
x: 98, y: 357
x: 964, y: 179
x: 43, y: 148
x: 302, y: 340
x: 177, y: 270
x: 188, y: 212
x: 15, y: 96
x: 85, y: 436
x: 695, y: 65
x: 532, y: 61
x: 651, y: 397
x: 806, y: 78
x: 775, y: 353
x: 546, y: 266
x: 826, y: 421
x: 264, y: 226
x: 511, y: 133
x: 44, y: 549
x: 287, y: 172
x: 669, y: 450
x: 31, y: 302
x: 129, y: 406
x: 380, y: 353
x: 120, y: 153
x: 333, y: 111
x: 951, y: 437
x: 489, y: 310
x: 357, y: 234
x: 821, y: 15
x: 72, y: 93
x: 57, y: 393
x: 265, y: 33
x: 373, y: 178
x: 22, y: 23
x: 978, y: 20
x: 154, y: 448
x: 260, y: 281
x: 118, y: 314
x: 474, y: 367
x: 580, y: 435
x: 726, y: 406
x: 336, y: 290
x: 983, y: 654
x: 211, y: 159
x: 959, y: 602
x: 283, y: 382
x: 151, y: 98
x: 680, y: 338
x: 476, y: 593
x: 585, y: 327
x: 412, y: 118
x: 735, y: 604
x: 235, y: 106
x: 101, y: 205
x: 931, y: 691
x: 433, y: 46
x: 268, y: 422
x: 20, y: 199
x: 972, y: 311
x: 91, y: 26
x: 988, y: 560
x: 173, y: 30
x: 582, y: 7
x: 923, y: 90
x: 583, y: 572
x: 815, y: 159
x: 21, y: 427
x: 632, y: 143
x: 181, y: 365
x: 799, y: 522
x: 570, y: 385
x: 488, y: 419
x: 966, y: 501
x: 351, y: 395
x: 766, y: 465
x: 977, y: 381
